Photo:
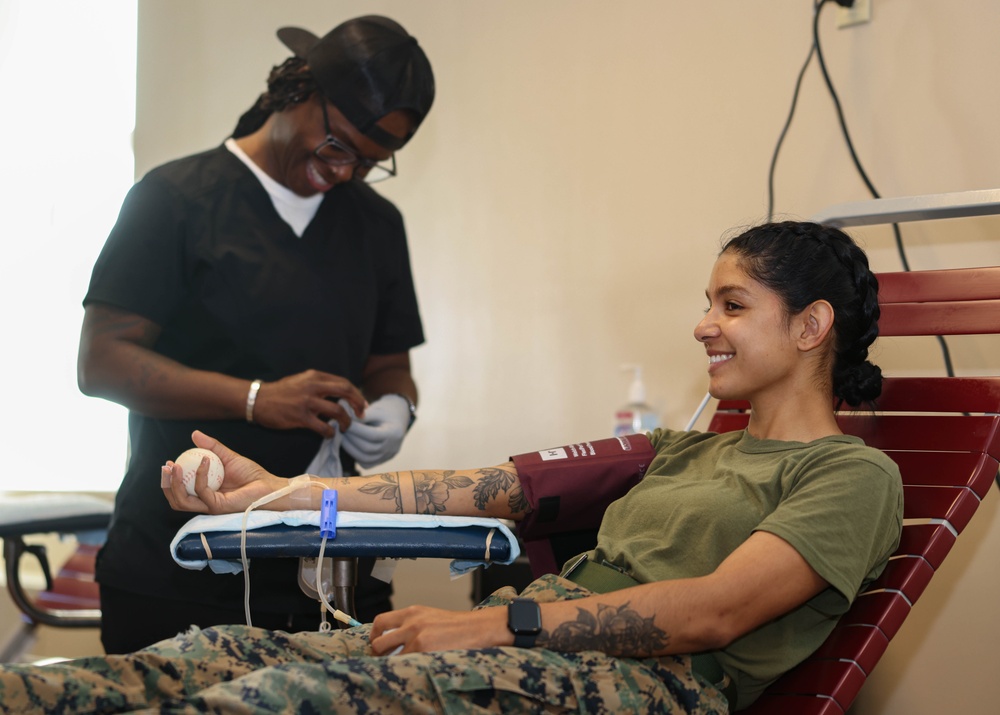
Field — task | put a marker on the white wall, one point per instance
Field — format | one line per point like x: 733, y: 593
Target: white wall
x: 566, y: 196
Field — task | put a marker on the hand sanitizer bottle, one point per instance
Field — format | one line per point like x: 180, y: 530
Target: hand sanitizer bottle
x: 636, y: 416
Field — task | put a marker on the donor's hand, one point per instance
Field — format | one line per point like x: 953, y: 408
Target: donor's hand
x: 245, y: 481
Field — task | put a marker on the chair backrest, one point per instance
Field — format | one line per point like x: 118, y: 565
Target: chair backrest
x: 944, y: 433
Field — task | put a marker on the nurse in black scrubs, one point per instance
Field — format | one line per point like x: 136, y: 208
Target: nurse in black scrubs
x: 245, y: 290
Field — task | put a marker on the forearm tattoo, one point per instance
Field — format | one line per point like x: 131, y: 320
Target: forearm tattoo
x: 431, y: 490
x: 388, y: 487
x: 614, y: 630
x: 495, y: 480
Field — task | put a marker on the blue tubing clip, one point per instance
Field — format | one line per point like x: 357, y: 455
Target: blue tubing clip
x: 328, y: 514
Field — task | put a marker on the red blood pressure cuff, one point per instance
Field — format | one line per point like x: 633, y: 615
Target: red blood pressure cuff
x: 568, y: 488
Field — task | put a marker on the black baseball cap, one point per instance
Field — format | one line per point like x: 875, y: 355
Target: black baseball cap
x: 368, y: 67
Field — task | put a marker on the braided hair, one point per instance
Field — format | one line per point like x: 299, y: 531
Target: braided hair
x: 804, y: 262
x: 289, y: 83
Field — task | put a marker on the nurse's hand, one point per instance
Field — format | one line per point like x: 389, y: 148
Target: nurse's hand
x: 309, y: 400
x: 378, y: 437
x: 244, y: 482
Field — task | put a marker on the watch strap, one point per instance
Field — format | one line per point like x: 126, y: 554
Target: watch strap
x: 525, y: 640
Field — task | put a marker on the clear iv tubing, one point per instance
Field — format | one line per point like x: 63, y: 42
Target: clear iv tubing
x: 324, y: 627
x: 294, y: 484
x: 328, y: 530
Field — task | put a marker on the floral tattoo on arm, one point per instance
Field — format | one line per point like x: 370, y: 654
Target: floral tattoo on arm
x: 495, y: 480
x: 432, y: 490
x: 616, y: 630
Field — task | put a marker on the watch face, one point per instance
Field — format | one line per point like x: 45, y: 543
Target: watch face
x: 524, y: 616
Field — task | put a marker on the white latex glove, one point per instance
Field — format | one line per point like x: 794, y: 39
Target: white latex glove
x: 378, y: 437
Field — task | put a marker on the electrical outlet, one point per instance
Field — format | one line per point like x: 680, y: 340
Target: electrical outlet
x: 859, y: 13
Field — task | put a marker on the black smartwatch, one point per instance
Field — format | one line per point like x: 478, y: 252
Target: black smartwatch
x: 524, y: 619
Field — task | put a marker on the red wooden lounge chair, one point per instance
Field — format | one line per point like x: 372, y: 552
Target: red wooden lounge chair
x: 944, y: 433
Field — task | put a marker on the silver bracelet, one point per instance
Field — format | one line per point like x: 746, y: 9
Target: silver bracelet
x: 252, y: 399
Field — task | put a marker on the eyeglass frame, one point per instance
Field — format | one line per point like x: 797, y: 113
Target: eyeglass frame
x: 359, y: 162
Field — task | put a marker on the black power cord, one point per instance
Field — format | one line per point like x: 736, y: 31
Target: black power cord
x: 784, y: 131
x: 843, y: 127
x: 817, y: 49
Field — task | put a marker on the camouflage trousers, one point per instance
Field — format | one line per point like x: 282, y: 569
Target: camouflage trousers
x: 236, y: 669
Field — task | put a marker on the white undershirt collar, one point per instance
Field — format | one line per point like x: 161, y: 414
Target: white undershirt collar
x: 297, y: 211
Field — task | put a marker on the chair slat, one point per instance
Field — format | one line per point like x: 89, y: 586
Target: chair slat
x: 841, y: 680
x: 949, y: 284
x: 942, y: 433
x: 943, y: 318
x: 931, y: 541
x: 907, y: 574
x: 798, y: 704
x: 730, y: 405
x: 956, y: 505
x: 863, y: 645
x: 728, y: 421
x: 74, y: 587
x: 884, y: 609
x: 940, y: 394
x: 923, y: 394
x: 903, y: 432
x: 956, y: 469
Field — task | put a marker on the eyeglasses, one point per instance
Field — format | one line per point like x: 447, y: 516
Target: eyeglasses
x: 333, y: 152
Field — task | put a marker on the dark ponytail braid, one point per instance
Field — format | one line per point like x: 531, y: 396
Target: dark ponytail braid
x: 289, y: 83
x: 804, y: 262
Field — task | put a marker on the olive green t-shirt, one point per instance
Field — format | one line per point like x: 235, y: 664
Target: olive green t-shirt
x: 836, y: 501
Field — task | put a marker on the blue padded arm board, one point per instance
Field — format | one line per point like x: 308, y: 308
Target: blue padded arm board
x: 283, y: 541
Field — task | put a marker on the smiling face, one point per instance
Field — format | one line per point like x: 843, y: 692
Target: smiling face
x: 748, y: 336
x: 289, y: 153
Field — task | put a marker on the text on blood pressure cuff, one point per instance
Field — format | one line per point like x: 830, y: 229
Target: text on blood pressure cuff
x: 568, y: 488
